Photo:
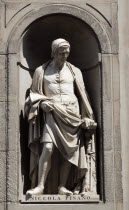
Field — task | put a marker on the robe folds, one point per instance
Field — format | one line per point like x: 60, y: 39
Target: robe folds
x: 63, y: 125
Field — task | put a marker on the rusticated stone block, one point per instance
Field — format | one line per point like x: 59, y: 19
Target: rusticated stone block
x: 2, y: 206
x: 13, y: 126
x: 116, y: 128
x: 3, y: 41
x: 2, y: 177
x: 107, y: 77
x: 115, y: 40
x: 13, y: 77
x: 12, y: 178
x: 107, y: 125
x: 118, y: 177
x: 3, y: 77
x: 3, y: 118
x: 116, y: 78
x: 109, y: 176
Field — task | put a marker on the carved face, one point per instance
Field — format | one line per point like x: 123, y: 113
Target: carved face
x: 62, y: 54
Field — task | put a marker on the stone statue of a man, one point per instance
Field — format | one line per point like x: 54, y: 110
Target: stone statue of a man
x: 65, y: 116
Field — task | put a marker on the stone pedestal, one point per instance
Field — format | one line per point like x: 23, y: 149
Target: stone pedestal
x: 87, y: 198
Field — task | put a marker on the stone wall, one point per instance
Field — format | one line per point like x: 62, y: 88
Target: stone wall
x: 124, y: 86
x: 102, y: 17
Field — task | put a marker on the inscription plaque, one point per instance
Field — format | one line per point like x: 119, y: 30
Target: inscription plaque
x: 60, y: 198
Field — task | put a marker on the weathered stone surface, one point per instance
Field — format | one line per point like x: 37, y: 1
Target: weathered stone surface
x: 119, y: 206
x: 12, y: 178
x: 100, y: 206
x: 3, y: 78
x: 118, y: 177
x: 115, y: 77
x: 2, y: 177
x: 12, y: 78
x: 107, y: 125
x: 107, y: 101
x: 12, y: 9
x: 13, y: 123
x: 102, y: 37
x: 3, y: 118
x: 109, y: 176
x: 116, y: 127
x: 2, y: 206
x: 107, y: 77
x: 13, y: 117
x: 14, y: 13
x: 3, y: 41
x: 115, y: 37
x: 124, y: 94
x: 104, y: 8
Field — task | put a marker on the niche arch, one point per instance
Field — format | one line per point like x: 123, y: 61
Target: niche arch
x: 102, y: 45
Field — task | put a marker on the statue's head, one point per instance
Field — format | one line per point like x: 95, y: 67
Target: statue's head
x: 60, y: 50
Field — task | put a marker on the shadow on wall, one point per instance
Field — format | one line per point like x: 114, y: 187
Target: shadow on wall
x: 39, y: 36
x: 36, y: 50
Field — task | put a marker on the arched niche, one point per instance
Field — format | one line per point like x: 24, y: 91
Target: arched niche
x: 22, y: 42
x: 36, y: 50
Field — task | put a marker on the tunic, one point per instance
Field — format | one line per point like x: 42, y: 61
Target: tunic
x: 59, y: 86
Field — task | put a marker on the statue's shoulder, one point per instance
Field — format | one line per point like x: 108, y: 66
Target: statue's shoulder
x: 74, y: 68
x: 45, y: 65
x: 40, y: 69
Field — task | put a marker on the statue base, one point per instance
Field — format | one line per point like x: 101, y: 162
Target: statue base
x: 87, y: 198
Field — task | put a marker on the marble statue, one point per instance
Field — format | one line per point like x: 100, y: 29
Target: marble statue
x: 60, y: 115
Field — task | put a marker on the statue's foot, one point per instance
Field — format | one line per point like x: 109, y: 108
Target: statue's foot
x: 64, y: 191
x: 76, y: 192
x: 85, y: 190
x: 35, y: 191
x: 77, y: 189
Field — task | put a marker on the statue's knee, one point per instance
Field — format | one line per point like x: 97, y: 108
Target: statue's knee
x: 49, y: 147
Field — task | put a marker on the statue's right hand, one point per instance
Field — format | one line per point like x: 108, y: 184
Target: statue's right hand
x: 46, y: 106
x: 89, y: 123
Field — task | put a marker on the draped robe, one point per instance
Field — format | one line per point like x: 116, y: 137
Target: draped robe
x: 63, y: 125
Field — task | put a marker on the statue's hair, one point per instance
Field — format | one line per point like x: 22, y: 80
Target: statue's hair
x: 56, y: 44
